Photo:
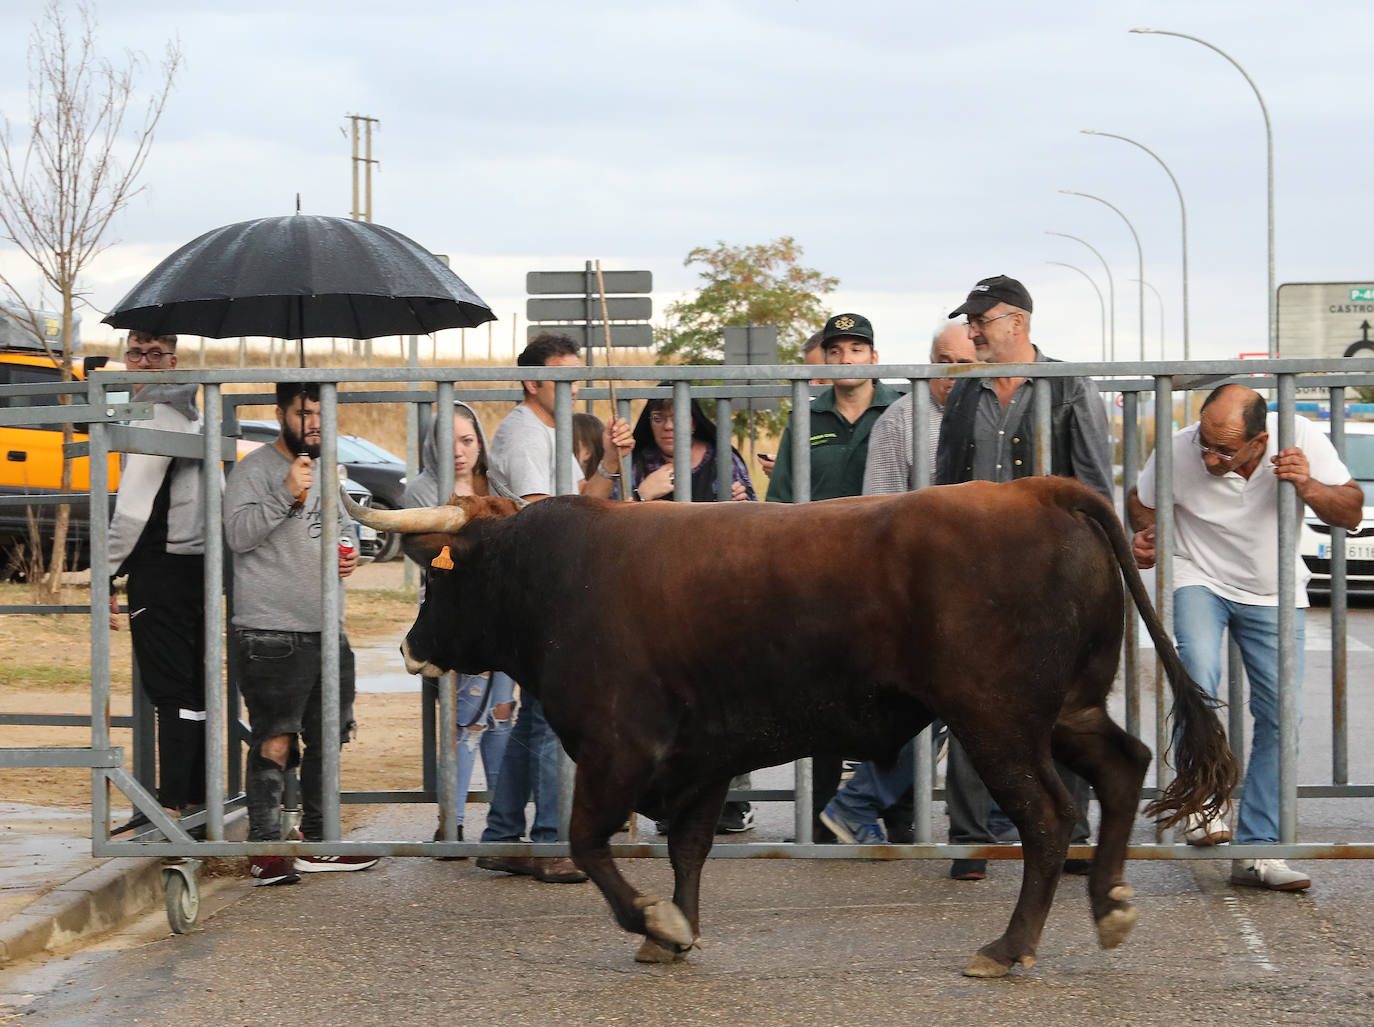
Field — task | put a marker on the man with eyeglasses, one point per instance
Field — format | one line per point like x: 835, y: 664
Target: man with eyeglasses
x: 988, y: 434
x: 157, y: 538
x: 1227, y: 469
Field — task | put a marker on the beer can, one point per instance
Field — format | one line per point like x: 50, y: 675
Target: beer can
x: 346, y: 546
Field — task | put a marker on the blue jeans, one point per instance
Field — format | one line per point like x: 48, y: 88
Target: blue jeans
x: 529, y: 770
x: 489, y: 734
x: 1200, y: 618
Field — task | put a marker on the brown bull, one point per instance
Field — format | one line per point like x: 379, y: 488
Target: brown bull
x: 675, y: 646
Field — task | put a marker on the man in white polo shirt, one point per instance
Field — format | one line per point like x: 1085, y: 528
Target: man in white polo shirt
x: 1227, y: 470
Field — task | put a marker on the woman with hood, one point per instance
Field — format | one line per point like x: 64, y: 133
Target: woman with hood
x: 652, y: 478
x: 484, y: 710
x: 652, y: 460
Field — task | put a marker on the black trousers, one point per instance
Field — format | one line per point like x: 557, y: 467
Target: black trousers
x: 167, y: 622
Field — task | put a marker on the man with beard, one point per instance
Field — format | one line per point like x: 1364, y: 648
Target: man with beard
x: 272, y: 522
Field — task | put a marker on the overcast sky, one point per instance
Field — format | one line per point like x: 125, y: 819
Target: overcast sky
x: 911, y: 148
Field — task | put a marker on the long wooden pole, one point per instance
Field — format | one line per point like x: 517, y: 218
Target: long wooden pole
x: 626, y: 489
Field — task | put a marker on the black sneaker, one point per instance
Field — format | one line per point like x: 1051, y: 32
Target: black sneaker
x: 272, y: 870
x: 735, y: 818
x: 968, y: 869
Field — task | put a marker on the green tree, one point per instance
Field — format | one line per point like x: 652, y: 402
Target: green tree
x: 742, y: 285
x: 73, y: 168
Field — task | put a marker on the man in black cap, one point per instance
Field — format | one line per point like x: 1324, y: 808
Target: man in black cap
x: 842, y: 417
x: 988, y: 434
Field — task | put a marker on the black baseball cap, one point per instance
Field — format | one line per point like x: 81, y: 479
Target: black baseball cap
x: 992, y: 291
x: 847, y: 326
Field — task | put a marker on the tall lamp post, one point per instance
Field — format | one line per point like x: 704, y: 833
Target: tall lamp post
x: 1111, y: 290
x: 1161, y: 313
x: 1183, y: 214
x: 1269, y: 153
x: 1101, y: 305
x: 1139, y: 255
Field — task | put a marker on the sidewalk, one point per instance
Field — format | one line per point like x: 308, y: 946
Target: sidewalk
x: 53, y: 892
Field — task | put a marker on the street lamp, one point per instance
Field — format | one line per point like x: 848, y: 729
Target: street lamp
x: 1111, y: 290
x: 1183, y: 213
x: 1101, y: 305
x: 1139, y: 256
x: 1269, y: 145
x: 1161, y: 314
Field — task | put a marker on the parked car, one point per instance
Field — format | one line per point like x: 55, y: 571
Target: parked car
x: 1314, y: 541
x: 372, y: 472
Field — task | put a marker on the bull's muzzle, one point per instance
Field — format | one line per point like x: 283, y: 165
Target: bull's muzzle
x: 414, y: 666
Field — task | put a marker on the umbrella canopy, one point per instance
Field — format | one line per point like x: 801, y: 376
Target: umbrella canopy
x: 303, y: 276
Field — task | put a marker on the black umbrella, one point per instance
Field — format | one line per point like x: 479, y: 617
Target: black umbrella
x: 302, y: 276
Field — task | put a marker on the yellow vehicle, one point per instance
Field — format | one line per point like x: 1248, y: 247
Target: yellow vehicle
x: 31, y: 459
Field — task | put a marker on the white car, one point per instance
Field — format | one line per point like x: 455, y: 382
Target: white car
x: 1314, y: 542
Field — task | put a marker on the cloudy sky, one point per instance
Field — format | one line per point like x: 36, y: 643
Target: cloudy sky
x: 911, y: 148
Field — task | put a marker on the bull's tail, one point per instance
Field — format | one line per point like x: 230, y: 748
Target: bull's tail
x: 1206, y: 770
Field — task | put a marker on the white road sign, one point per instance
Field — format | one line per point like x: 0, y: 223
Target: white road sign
x: 1326, y: 319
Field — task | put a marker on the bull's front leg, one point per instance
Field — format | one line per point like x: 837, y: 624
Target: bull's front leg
x: 601, y: 802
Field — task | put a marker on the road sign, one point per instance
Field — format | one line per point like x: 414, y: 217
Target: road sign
x: 752, y: 344
x: 574, y: 283
x: 630, y: 336
x: 574, y: 308
x: 1325, y: 319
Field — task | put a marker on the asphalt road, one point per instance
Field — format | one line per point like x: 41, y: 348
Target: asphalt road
x: 417, y: 941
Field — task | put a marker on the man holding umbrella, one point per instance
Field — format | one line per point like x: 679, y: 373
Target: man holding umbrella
x: 272, y: 522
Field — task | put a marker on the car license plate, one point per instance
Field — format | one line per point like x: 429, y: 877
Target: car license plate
x: 366, y: 534
x: 1354, y: 550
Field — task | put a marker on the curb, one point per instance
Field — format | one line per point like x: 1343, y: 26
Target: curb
x: 91, y: 903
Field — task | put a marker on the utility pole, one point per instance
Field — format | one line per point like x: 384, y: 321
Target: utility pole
x: 363, y: 213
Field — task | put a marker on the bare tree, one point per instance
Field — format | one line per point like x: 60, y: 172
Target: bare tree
x: 66, y: 177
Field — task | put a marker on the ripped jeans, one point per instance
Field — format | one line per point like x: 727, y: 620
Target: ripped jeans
x: 477, y: 703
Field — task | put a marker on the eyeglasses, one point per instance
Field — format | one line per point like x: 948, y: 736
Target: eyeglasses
x: 151, y: 356
x: 1225, y: 456
x: 978, y: 323
x: 659, y: 420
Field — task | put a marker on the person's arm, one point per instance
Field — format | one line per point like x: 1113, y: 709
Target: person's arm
x: 617, y: 441
x: 253, y: 507
x: 887, y: 470
x: 1142, y: 519
x: 741, y: 487
x: 780, y: 482
x: 1089, y: 450
x: 1341, y: 506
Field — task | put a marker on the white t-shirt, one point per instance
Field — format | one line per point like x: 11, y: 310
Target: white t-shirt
x: 1226, y: 528
x: 522, y: 455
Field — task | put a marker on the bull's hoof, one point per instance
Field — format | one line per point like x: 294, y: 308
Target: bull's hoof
x: 655, y: 952
x: 665, y: 923
x: 1113, y: 928
x: 1121, y: 892
x: 987, y: 968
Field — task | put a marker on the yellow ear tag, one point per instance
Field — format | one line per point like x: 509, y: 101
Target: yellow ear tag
x: 443, y: 561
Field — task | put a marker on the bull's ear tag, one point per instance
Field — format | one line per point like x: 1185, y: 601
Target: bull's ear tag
x: 443, y: 561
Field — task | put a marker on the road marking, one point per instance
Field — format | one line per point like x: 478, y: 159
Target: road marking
x: 1254, y: 941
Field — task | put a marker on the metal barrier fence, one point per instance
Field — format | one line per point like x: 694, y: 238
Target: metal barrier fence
x: 724, y: 386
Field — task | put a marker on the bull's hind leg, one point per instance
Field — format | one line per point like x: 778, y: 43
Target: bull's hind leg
x: 1028, y: 788
x: 690, y: 834
x: 602, y: 799
x: 1114, y: 763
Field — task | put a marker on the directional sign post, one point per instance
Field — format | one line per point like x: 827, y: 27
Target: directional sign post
x: 573, y: 306
x: 752, y: 344
x: 1325, y: 319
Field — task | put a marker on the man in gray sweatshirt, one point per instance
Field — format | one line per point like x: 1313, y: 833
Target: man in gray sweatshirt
x: 272, y: 523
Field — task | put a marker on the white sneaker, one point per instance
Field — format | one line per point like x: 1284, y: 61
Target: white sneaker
x: 1198, y: 831
x: 1273, y: 874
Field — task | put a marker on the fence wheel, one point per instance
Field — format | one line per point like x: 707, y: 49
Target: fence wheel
x: 182, y: 885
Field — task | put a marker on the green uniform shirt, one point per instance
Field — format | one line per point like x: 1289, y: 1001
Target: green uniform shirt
x: 839, y: 449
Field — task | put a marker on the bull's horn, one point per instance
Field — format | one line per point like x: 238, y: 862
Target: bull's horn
x: 407, y: 522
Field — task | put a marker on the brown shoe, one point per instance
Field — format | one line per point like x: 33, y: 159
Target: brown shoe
x: 526, y: 865
x: 557, y: 870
